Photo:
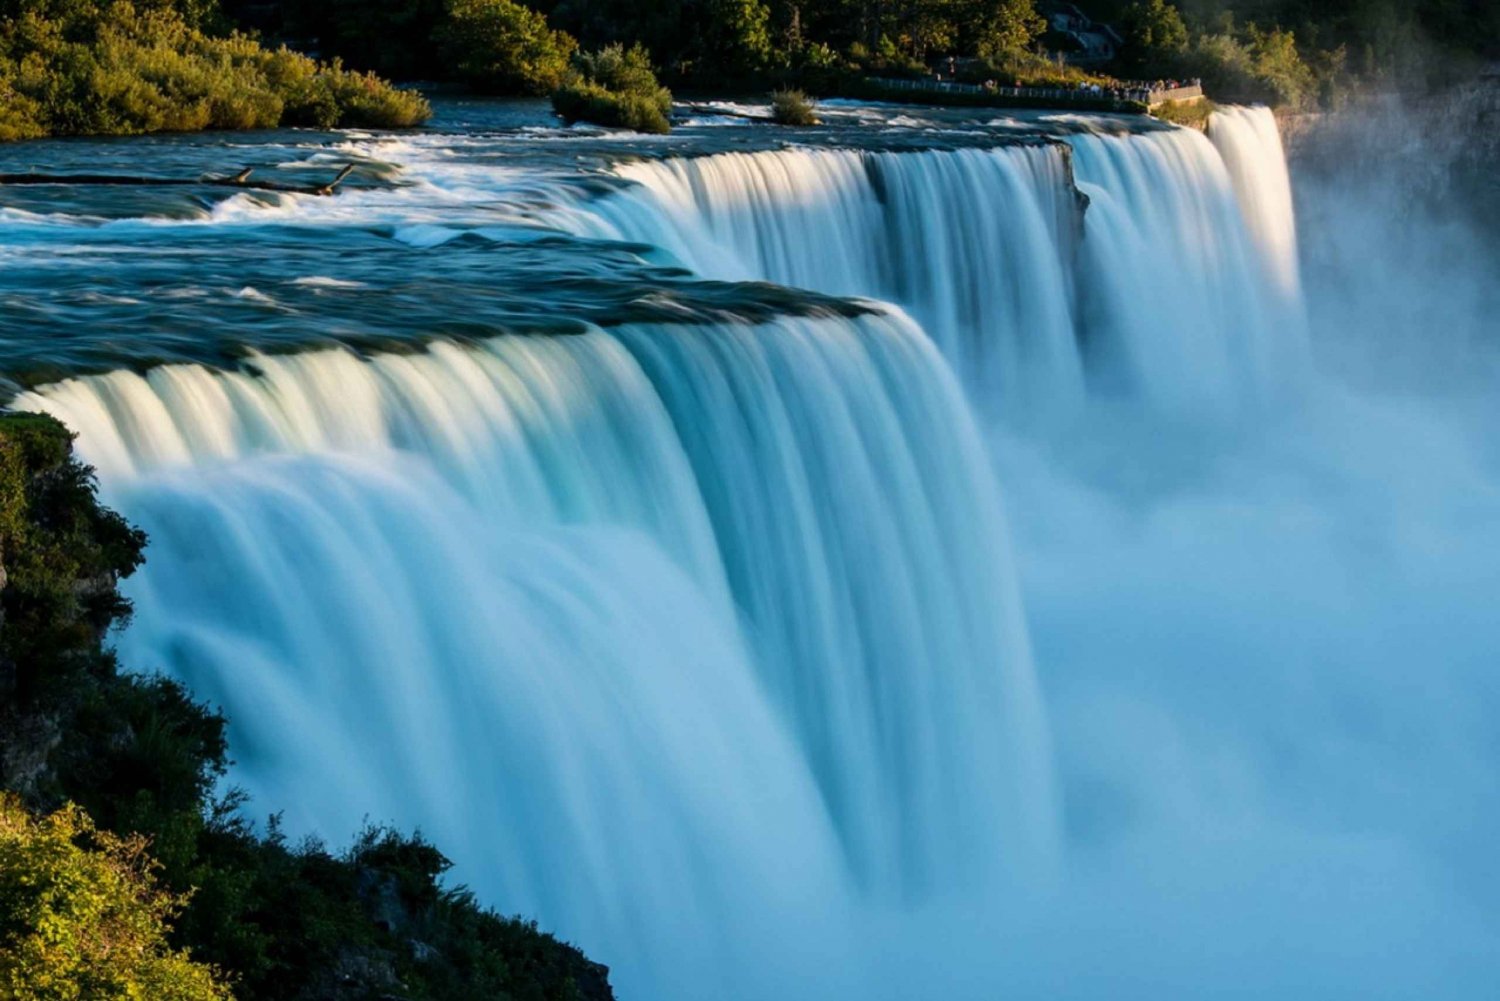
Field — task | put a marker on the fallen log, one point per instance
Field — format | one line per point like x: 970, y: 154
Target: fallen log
x: 240, y: 180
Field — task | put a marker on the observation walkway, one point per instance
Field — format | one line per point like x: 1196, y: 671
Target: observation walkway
x: 1129, y: 98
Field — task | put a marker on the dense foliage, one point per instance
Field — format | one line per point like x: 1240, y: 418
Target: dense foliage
x: 285, y: 922
x: 1290, y: 52
x: 85, y: 67
x: 617, y: 88
x: 82, y: 916
x: 501, y: 47
x: 704, y: 42
x: 1302, y: 53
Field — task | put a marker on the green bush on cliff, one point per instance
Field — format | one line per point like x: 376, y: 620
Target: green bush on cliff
x: 617, y: 88
x: 113, y: 67
x: 141, y: 757
x: 84, y: 916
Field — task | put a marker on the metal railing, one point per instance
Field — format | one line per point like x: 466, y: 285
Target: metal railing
x: 1119, y: 95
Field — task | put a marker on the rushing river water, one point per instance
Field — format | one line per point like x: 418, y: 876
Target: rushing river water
x: 928, y: 556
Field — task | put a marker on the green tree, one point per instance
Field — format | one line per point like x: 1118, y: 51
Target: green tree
x: 82, y: 917
x: 504, y: 48
x: 1280, y: 69
x: 1004, y: 27
x: 736, y: 34
x: 1155, y: 36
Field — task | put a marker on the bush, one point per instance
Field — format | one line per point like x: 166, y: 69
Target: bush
x: 617, y: 88
x: 500, y: 47
x: 117, y: 69
x: 84, y: 916
x: 792, y: 107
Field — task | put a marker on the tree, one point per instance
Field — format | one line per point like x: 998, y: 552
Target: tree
x: 1005, y: 27
x: 82, y: 918
x: 1279, y: 67
x: 504, y: 48
x: 1155, y: 36
x: 736, y: 34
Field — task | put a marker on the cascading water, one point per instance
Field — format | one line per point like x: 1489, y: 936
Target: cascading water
x: 1168, y: 227
x: 1250, y: 144
x: 693, y: 631
x: 826, y: 468
x: 986, y: 250
x: 976, y: 244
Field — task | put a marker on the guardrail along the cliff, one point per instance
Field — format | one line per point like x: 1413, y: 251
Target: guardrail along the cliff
x: 1136, y: 100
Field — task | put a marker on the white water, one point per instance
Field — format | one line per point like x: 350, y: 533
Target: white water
x: 701, y: 643
x: 506, y: 567
x: 982, y: 247
x: 993, y: 288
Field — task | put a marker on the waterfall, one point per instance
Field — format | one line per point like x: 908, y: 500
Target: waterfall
x: 506, y: 590
x: 1181, y: 290
x: 976, y: 244
x: 701, y: 642
x: 1250, y: 144
x: 1181, y: 300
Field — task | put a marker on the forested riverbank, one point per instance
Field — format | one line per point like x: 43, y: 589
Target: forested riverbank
x: 72, y: 67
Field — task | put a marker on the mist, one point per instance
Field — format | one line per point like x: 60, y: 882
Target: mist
x: 1268, y: 646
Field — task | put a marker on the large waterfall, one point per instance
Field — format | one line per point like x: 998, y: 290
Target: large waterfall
x: 687, y: 618
x: 988, y: 251
x: 701, y: 638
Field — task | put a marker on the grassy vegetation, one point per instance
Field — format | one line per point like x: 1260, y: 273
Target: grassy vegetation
x: 1193, y: 114
x: 615, y: 87
x: 875, y: 91
x: 87, y: 67
x: 792, y: 107
x: 1032, y: 69
x: 141, y: 757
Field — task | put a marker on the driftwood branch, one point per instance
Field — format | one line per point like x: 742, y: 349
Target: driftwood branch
x: 240, y: 180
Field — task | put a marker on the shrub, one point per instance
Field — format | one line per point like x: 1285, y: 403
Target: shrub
x: 118, y: 68
x: 84, y: 916
x: 792, y: 107
x: 615, y: 87
x: 366, y: 101
x: 501, y: 47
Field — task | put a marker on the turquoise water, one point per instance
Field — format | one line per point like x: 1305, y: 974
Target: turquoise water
x: 930, y: 556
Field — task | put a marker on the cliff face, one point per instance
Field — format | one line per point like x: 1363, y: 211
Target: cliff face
x: 298, y: 923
